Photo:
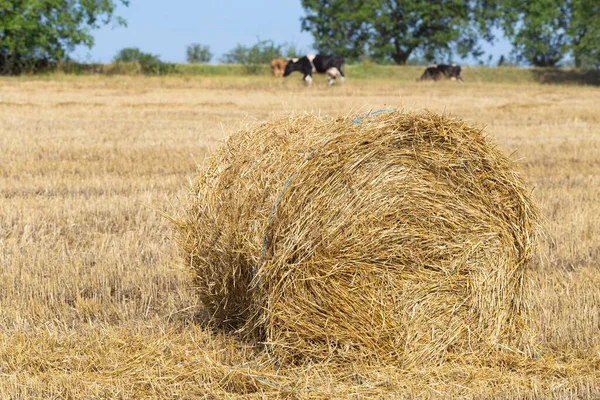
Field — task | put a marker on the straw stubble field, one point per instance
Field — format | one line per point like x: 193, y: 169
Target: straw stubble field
x: 95, y: 300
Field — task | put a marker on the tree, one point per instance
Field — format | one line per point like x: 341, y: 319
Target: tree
x: 253, y: 57
x: 544, y: 32
x: 37, y: 32
x: 150, y: 64
x: 584, y: 32
x: 537, y: 30
x: 291, y: 50
x: 338, y: 26
x: 260, y: 53
x: 197, y: 54
x: 395, y: 29
x: 129, y: 54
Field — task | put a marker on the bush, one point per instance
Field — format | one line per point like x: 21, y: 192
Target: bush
x: 253, y: 57
x: 292, y: 51
x: 128, y: 54
x: 198, y: 54
x: 15, y: 65
x: 150, y: 64
x: 122, y: 68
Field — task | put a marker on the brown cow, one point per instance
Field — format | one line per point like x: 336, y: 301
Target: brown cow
x: 278, y: 66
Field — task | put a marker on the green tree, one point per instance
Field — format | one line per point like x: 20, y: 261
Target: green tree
x: 338, y: 26
x: 38, y: 32
x: 584, y: 32
x: 291, y: 50
x: 537, y: 30
x: 128, y: 54
x: 545, y: 32
x: 197, y: 53
x: 253, y: 57
x: 395, y: 29
x: 150, y: 64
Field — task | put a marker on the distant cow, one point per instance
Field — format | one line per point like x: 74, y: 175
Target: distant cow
x: 330, y: 65
x: 436, y: 72
x: 278, y: 66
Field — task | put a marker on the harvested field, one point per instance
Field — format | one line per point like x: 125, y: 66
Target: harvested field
x: 95, y: 300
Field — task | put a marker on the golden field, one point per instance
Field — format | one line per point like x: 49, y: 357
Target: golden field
x: 96, y: 302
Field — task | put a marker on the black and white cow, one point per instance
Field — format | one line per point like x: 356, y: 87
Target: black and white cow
x: 436, y: 72
x: 330, y: 65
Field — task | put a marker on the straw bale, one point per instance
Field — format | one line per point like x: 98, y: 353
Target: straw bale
x: 399, y: 237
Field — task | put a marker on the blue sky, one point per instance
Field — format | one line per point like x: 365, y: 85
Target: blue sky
x: 166, y: 28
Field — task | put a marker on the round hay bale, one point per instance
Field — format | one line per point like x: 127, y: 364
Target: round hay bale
x: 399, y: 236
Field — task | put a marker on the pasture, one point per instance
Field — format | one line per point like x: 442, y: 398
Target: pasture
x: 95, y: 301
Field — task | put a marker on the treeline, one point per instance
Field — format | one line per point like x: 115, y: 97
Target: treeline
x: 543, y: 33
x: 252, y: 58
x: 38, y: 35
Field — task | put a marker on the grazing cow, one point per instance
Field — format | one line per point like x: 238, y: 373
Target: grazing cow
x: 436, y: 72
x: 278, y: 66
x: 330, y: 65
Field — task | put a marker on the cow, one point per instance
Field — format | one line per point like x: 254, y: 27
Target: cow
x: 330, y: 65
x: 436, y: 72
x: 278, y: 66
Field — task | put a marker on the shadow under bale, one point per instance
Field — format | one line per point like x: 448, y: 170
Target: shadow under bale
x: 403, y: 238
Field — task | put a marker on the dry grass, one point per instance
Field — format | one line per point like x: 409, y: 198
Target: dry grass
x: 95, y: 302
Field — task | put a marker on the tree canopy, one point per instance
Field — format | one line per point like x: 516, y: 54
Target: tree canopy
x: 253, y: 57
x: 543, y: 32
x: 129, y: 54
x: 584, y: 32
x: 395, y: 29
x: 34, y: 33
x: 536, y: 30
x: 197, y: 53
x: 149, y: 63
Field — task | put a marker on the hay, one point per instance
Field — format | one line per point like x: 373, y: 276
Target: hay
x: 403, y: 238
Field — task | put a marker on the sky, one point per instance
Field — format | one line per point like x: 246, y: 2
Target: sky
x: 167, y: 28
